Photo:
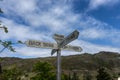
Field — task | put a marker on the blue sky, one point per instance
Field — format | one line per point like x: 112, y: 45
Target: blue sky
x: 98, y: 22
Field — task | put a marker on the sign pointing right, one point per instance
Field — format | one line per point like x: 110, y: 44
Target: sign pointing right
x: 74, y: 35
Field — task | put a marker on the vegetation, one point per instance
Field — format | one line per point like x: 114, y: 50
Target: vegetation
x: 80, y: 67
x: 5, y: 44
x: 10, y: 74
x: 7, y: 74
x: 75, y: 76
x: 87, y: 76
x: 103, y: 75
x: 43, y: 71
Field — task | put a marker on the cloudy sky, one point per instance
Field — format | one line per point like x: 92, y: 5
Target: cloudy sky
x: 98, y: 22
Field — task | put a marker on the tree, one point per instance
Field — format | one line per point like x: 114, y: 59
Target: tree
x: 5, y: 44
x: 65, y: 77
x: 75, y: 76
x: 103, y: 75
x: 44, y: 71
x: 10, y: 74
x: 87, y: 76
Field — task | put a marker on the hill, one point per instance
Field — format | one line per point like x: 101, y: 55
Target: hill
x: 79, y: 63
x: 84, y: 61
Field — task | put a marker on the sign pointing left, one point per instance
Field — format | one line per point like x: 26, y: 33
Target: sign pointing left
x: 40, y: 44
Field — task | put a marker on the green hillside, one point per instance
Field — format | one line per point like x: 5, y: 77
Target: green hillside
x: 78, y: 63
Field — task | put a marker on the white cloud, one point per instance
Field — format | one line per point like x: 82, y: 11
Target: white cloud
x: 34, y: 52
x: 22, y: 32
x: 95, y: 29
x: 50, y: 14
x: 18, y: 6
x: 101, y: 33
x: 94, y: 4
x: 94, y: 48
x: 86, y: 22
x: 93, y: 33
x: 56, y: 18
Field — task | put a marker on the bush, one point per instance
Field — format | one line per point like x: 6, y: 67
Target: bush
x: 103, y: 75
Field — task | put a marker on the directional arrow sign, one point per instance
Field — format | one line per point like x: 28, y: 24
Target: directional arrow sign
x: 68, y: 48
x: 68, y: 39
x: 72, y: 48
x: 41, y: 44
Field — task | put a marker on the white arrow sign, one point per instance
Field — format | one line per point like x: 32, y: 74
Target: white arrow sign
x: 72, y: 48
x: 68, y: 39
x: 41, y: 44
x: 69, y: 48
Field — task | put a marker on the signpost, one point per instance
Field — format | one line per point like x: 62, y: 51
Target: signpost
x: 41, y: 44
x: 61, y: 45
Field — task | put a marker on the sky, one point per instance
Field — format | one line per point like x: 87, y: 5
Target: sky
x: 98, y: 22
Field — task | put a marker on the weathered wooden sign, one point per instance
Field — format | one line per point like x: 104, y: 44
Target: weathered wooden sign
x: 57, y: 47
x: 41, y: 44
x: 68, y: 39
